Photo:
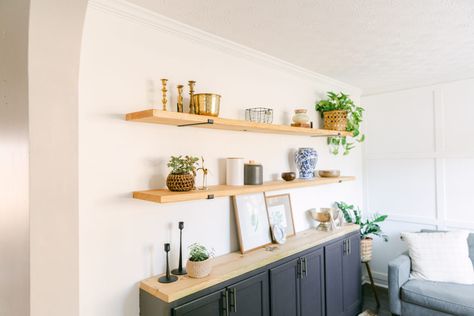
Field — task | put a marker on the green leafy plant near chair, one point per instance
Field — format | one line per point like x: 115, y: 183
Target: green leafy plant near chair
x: 368, y: 227
x: 340, y: 113
x: 199, y: 265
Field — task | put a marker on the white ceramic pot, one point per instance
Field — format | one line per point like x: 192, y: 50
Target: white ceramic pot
x: 199, y: 269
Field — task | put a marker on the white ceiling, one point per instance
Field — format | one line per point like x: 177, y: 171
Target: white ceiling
x: 377, y: 45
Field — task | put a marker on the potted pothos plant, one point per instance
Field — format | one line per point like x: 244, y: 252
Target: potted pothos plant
x: 183, y: 172
x: 199, y: 261
x: 340, y: 113
x: 368, y: 227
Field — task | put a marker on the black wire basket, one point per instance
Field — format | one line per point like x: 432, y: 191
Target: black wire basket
x: 260, y: 115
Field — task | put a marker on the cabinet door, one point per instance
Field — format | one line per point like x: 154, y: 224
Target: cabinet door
x: 312, y: 284
x: 334, y: 274
x: 284, y: 283
x: 209, y: 305
x: 250, y: 297
x: 351, y: 276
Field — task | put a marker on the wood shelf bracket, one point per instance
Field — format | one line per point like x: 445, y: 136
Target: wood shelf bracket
x: 209, y: 121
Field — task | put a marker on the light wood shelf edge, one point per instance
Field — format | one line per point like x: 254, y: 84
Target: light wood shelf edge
x: 166, y: 196
x: 235, y: 264
x: 180, y: 119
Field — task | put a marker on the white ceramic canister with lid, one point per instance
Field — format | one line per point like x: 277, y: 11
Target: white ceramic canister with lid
x: 234, y: 171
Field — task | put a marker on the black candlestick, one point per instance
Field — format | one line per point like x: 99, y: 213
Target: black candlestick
x: 180, y: 270
x: 168, y: 278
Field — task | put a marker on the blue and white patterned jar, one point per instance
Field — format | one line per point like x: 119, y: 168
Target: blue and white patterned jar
x: 306, y: 159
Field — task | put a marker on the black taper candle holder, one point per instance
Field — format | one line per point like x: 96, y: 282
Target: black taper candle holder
x: 180, y: 270
x: 168, y: 278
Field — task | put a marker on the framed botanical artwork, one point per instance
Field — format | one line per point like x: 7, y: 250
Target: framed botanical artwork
x: 280, y: 212
x: 251, y: 218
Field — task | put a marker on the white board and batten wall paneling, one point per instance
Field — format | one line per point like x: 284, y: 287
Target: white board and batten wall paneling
x: 419, y: 162
x: 126, y: 50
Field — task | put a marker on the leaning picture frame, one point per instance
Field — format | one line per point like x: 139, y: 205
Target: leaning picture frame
x: 280, y: 212
x: 253, y: 227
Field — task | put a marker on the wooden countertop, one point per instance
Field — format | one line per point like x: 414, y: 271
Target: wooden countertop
x: 234, y: 264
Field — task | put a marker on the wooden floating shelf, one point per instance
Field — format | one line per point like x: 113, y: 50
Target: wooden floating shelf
x: 167, y: 196
x: 185, y: 119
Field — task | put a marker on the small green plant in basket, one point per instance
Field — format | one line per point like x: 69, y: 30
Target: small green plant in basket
x: 183, y: 172
x: 199, y: 263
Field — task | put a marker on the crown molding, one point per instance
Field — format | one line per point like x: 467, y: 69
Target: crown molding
x: 139, y: 14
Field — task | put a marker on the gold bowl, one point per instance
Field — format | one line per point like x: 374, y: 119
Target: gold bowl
x: 329, y: 173
x: 206, y: 104
x: 323, y: 217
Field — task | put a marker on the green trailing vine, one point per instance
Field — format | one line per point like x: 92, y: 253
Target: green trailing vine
x: 342, y: 102
x: 369, y: 226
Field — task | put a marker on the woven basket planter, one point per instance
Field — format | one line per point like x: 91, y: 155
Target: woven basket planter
x: 335, y: 120
x: 180, y: 182
x: 366, y: 249
x: 198, y: 269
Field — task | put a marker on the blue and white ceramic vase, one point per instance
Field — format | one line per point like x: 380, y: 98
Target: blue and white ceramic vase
x: 306, y: 159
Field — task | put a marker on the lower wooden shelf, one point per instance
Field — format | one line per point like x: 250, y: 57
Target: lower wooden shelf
x: 236, y: 264
x: 167, y: 196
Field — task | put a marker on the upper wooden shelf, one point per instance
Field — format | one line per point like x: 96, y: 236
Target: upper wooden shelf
x: 167, y: 196
x: 186, y: 119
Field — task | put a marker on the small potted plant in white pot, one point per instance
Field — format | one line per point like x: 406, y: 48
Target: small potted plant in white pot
x: 183, y: 171
x: 199, y: 261
x: 369, y: 227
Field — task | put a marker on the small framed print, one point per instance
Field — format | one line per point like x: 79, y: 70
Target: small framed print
x: 280, y: 212
x: 251, y: 218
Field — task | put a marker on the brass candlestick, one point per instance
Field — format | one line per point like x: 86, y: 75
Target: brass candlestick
x: 180, y: 98
x: 191, y: 92
x: 164, y: 90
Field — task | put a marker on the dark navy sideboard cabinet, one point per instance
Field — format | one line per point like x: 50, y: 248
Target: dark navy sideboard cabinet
x: 324, y: 280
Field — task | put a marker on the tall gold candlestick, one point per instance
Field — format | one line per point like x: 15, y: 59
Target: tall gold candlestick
x: 164, y: 90
x: 191, y: 92
x: 180, y: 98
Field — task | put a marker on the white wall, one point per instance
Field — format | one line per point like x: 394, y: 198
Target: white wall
x: 54, y: 43
x: 419, y: 162
x: 14, y: 254
x: 124, y: 55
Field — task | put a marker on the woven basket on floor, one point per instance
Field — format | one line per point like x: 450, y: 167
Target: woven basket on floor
x: 180, y: 182
x: 366, y: 249
x: 335, y: 120
x: 198, y: 269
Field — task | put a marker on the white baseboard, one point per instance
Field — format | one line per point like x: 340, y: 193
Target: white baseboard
x: 380, y: 279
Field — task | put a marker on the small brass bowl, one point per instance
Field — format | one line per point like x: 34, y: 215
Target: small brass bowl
x: 288, y: 176
x: 206, y: 104
x: 329, y: 173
